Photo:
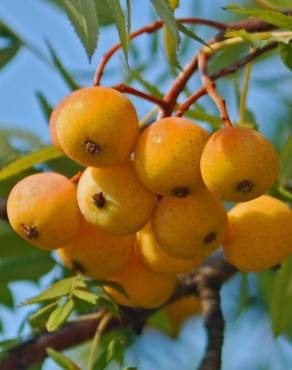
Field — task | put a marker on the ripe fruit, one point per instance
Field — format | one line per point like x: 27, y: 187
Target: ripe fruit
x: 191, y: 227
x: 43, y: 209
x: 239, y: 164
x: 114, y: 200
x: 182, y: 309
x: 259, y: 234
x: 167, y: 156
x: 97, y: 126
x: 145, y: 288
x: 155, y: 257
x: 97, y: 254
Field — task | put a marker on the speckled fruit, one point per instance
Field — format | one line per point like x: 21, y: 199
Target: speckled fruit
x: 97, y: 254
x: 239, y: 164
x: 96, y: 126
x: 259, y: 234
x: 43, y: 209
x: 156, y: 258
x: 145, y: 288
x: 167, y: 156
x: 191, y: 227
x: 114, y: 199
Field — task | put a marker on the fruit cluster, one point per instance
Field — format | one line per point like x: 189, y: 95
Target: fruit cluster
x: 149, y: 206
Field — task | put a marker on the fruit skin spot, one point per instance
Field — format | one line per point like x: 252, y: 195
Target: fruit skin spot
x: 77, y: 267
x: 99, y: 200
x: 31, y: 232
x: 210, y: 237
x: 181, y: 192
x: 92, y: 147
x: 245, y: 186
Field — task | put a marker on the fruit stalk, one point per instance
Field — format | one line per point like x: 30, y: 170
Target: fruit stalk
x: 211, y: 90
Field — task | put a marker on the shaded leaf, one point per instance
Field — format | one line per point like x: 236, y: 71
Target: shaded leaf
x: 120, y: 22
x: 40, y: 317
x: 163, y: 10
x: 62, y: 70
x: 286, y: 54
x: 281, y: 301
x: 285, y: 160
x: 30, y: 267
x: 6, y: 297
x: 59, y: 289
x: 62, y: 360
x: 113, y: 285
x: 273, y: 17
x: 45, y: 105
x: 192, y: 34
x: 30, y: 160
x: 13, y: 42
x: 84, y: 18
x: 152, y: 89
x: 59, y: 316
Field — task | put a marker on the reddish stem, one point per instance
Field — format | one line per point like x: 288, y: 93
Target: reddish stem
x: 131, y: 90
x: 150, y: 28
x: 222, y: 73
x: 210, y: 87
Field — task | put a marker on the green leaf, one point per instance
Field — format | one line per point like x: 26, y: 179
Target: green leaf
x: 161, y: 321
x: 39, y: 318
x: 286, y: 54
x: 285, y: 160
x: 45, y: 105
x: 6, y: 297
x: 115, y: 350
x: 120, y: 22
x: 84, y: 18
x: 62, y: 70
x: 152, y: 89
x: 191, y: 34
x: 173, y: 4
x: 30, y: 267
x: 7, y: 53
x: 273, y: 17
x: 30, y: 160
x: 59, y: 289
x: 59, y: 316
x: 281, y: 302
x: 113, y: 285
x: 163, y: 10
x: 259, y: 40
x: 85, y: 296
x: 170, y: 46
x: 60, y: 359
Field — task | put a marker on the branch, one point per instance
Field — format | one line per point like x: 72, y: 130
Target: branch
x: 150, y: 28
x: 209, y: 85
x: 130, y: 90
x: 250, y: 25
x: 222, y: 73
x: 211, y: 276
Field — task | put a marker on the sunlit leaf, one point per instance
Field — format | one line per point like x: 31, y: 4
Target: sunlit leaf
x: 59, y: 289
x: 273, y: 17
x: 170, y: 46
x: 29, y: 160
x: 59, y: 316
x: 60, y: 359
x: 85, y: 296
x: 163, y: 10
x: 40, y: 317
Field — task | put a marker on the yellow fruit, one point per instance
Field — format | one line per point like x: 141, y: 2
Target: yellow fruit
x: 239, y: 164
x: 181, y: 310
x: 259, y: 234
x: 145, y: 288
x: 155, y: 257
x: 114, y: 200
x: 97, y: 126
x: 167, y: 156
x: 191, y: 227
x: 97, y: 254
x: 43, y: 209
